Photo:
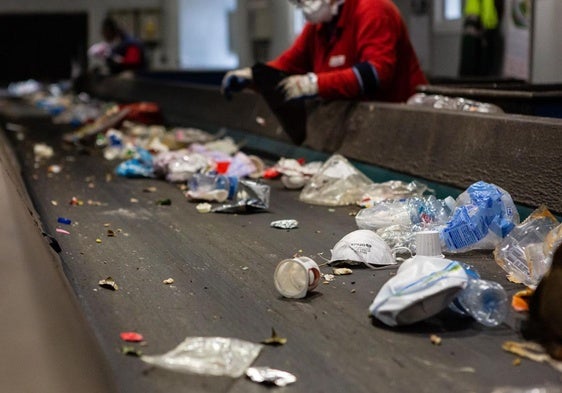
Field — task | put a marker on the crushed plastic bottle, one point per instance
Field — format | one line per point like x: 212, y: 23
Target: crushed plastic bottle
x: 485, y: 301
x: 485, y: 214
x: 207, y: 186
x: 407, y: 212
x: 521, y: 253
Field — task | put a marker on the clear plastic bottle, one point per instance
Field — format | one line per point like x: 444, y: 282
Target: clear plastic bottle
x: 206, y: 182
x: 485, y: 301
x: 409, y: 211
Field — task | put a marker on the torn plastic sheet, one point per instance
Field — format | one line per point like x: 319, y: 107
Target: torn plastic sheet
x: 270, y: 376
x: 218, y: 356
x: 251, y: 196
x: 337, y: 183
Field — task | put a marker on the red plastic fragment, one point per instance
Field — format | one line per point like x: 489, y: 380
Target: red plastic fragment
x: 132, y: 337
x: 271, y: 173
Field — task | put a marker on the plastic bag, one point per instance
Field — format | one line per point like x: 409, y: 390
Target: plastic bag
x: 485, y: 214
x: 217, y: 356
x: 391, y: 190
x: 337, y: 183
x: 521, y: 253
x: 180, y: 166
x: 422, y: 287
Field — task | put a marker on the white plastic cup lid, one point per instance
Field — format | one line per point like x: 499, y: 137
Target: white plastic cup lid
x: 428, y: 244
x: 293, y: 278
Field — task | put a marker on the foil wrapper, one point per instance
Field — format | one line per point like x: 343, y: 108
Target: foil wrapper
x: 285, y: 224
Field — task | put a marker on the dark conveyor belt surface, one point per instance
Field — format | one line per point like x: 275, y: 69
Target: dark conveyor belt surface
x: 222, y: 266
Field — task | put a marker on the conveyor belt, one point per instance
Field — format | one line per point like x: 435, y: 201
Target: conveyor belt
x: 222, y: 266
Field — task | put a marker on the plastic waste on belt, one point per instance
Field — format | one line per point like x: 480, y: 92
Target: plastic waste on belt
x: 410, y: 211
x: 362, y: 247
x: 218, y: 356
x: 212, y: 187
x: 140, y: 166
x: 485, y: 301
x: 422, y: 287
x: 521, y: 253
x: 485, y: 214
x: 180, y: 165
x: 337, y: 183
x: 294, y: 174
x: 225, y: 145
x: 398, y: 221
x: 437, y: 101
x: 251, y: 196
x: 392, y: 190
x: 241, y: 166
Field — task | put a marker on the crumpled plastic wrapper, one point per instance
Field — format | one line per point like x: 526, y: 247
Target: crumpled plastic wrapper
x: 218, y: 356
x: 285, y: 224
x: 251, y: 196
x: 179, y: 166
x: 393, y: 189
x: 271, y: 376
x: 338, y: 183
x: 521, y: 252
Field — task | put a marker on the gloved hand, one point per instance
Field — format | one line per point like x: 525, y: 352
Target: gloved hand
x: 299, y: 86
x: 236, y: 80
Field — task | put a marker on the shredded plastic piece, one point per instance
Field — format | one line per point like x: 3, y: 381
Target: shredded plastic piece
x: 217, y: 356
x: 63, y: 231
x: 133, y: 337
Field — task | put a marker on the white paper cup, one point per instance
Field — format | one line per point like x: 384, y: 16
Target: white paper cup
x: 295, y: 277
x: 428, y: 244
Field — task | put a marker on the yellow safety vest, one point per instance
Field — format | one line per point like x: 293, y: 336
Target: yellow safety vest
x: 485, y: 9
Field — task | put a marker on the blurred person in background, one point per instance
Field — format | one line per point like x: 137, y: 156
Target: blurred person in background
x: 349, y: 49
x: 118, y: 51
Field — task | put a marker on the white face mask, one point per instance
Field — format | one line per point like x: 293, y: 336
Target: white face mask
x: 318, y: 11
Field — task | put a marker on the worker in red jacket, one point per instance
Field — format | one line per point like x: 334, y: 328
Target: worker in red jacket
x: 125, y: 52
x: 349, y: 49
